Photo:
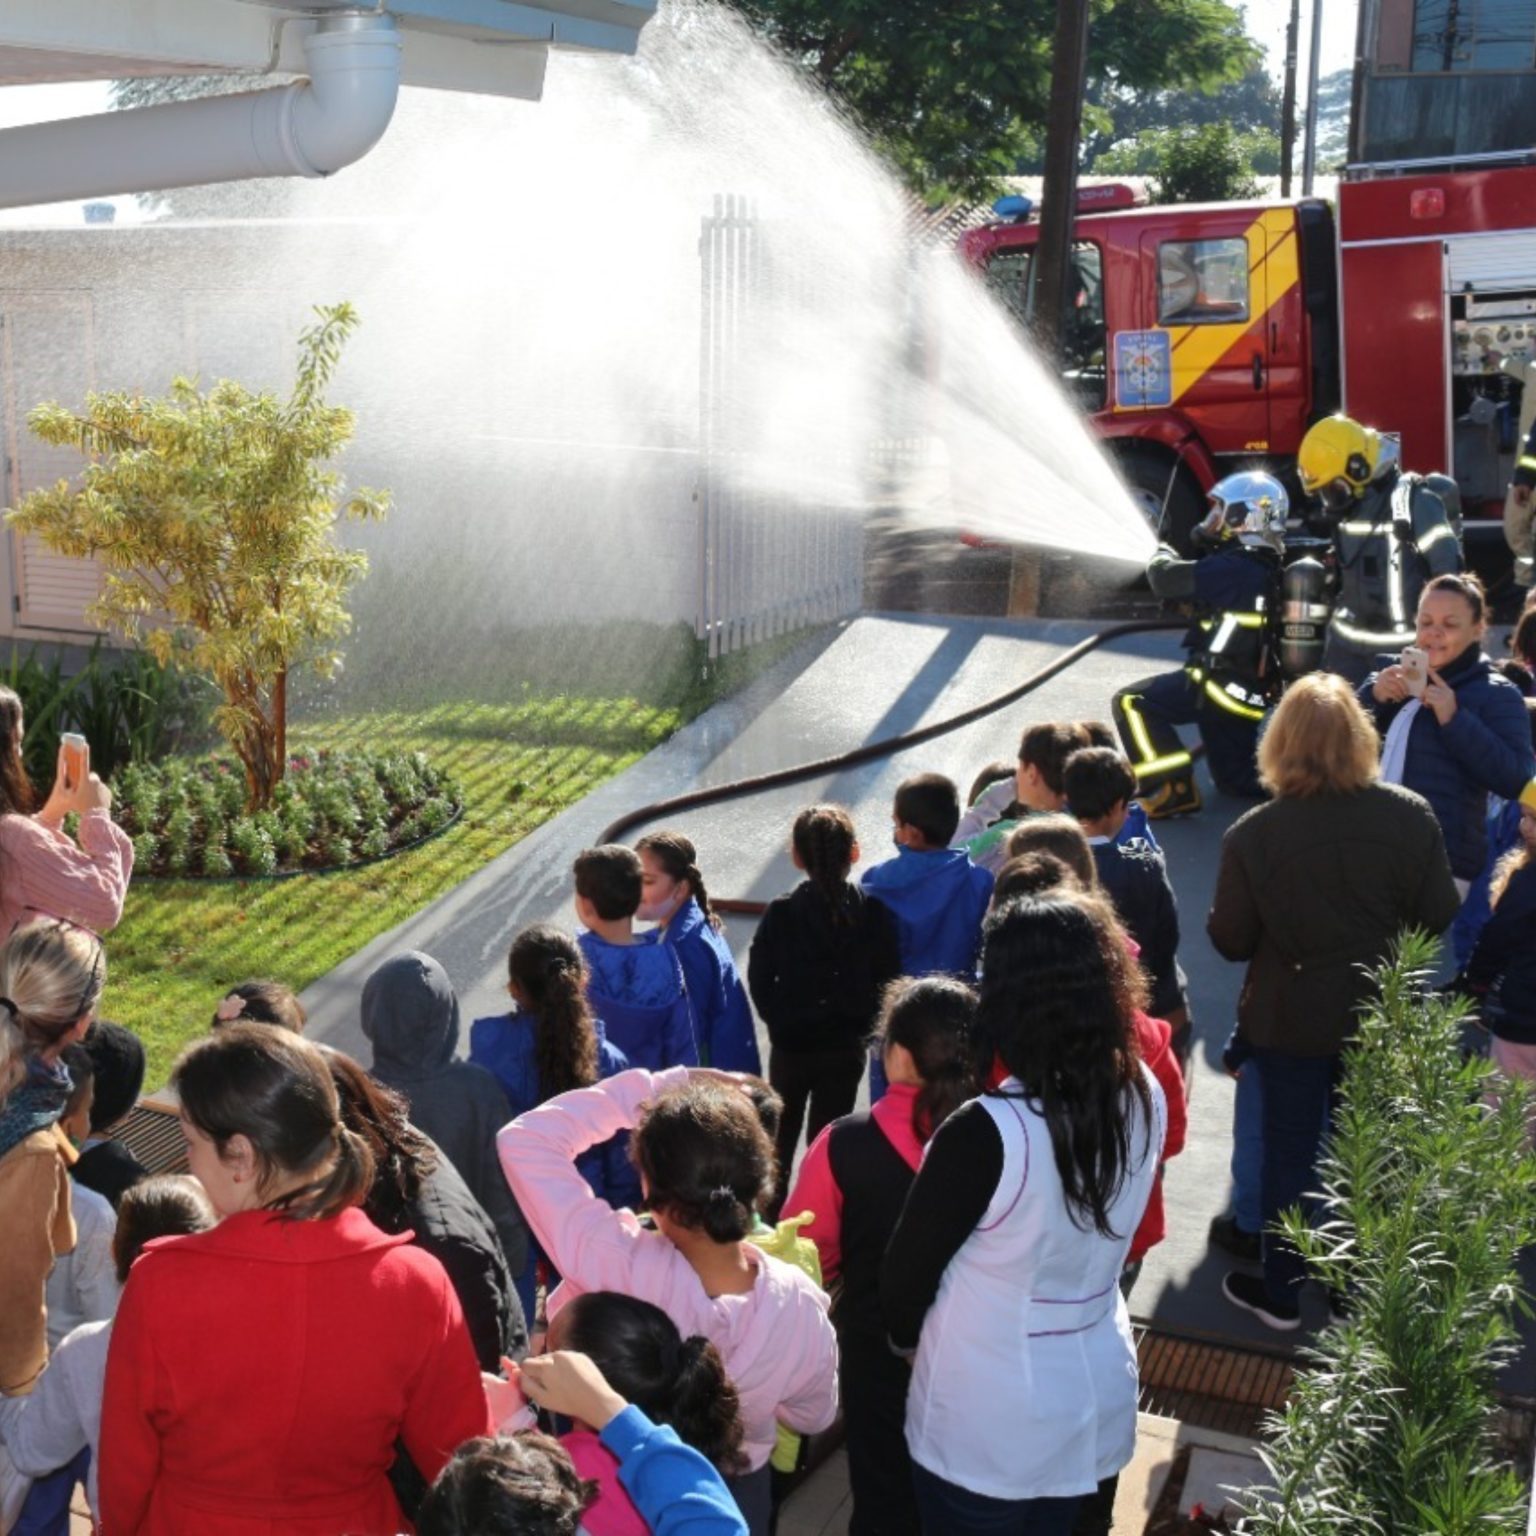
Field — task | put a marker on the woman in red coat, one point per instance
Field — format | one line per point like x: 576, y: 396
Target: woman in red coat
x: 261, y: 1373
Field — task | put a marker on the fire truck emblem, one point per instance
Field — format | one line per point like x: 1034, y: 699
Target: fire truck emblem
x: 1143, y: 369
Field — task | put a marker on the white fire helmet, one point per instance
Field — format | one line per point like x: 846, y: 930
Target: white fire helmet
x: 1251, y: 507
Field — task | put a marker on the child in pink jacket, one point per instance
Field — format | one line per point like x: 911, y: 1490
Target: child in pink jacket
x: 705, y: 1165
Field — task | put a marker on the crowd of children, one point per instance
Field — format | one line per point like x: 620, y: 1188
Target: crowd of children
x: 542, y: 1289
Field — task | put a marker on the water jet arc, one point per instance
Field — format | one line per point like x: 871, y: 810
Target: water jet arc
x: 886, y: 747
x: 310, y: 128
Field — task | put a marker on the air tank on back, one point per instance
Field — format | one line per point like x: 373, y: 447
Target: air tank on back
x: 1304, y: 611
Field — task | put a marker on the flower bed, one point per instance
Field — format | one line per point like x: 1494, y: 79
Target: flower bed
x: 333, y: 809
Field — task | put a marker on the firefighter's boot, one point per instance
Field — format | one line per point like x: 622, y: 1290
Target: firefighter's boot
x: 1173, y: 797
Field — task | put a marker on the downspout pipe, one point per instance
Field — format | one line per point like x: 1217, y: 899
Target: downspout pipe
x: 312, y: 127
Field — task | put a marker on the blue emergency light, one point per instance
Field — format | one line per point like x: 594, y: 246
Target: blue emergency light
x: 1013, y: 209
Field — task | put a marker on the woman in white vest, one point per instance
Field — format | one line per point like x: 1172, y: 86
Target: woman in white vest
x: 1003, y: 1271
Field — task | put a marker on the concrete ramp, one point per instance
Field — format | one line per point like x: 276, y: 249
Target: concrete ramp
x: 870, y: 678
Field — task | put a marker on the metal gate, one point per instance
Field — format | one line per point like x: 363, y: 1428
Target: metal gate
x: 768, y: 561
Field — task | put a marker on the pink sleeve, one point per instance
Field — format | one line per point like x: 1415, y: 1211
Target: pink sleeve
x: 816, y: 1191
x: 52, y: 877
x: 812, y: 1405
x: 588, y: 1241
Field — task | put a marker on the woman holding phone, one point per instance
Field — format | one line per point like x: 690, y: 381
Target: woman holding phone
x: 43, y: 871
x: 1452, y: 728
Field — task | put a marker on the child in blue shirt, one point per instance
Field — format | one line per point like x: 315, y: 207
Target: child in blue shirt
x: 635, y: 982
x: 673, y: 897
x: 547, y: 1045
x: 938, y: 895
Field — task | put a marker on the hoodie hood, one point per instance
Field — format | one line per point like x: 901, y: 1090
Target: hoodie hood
x: 938, y: 871
x: 411, y: 1015
x: 645, y: 974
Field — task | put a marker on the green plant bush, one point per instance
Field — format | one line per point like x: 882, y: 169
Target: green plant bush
x: 333, y: 808
x: 129, y: 707
x: 1430, y: 1194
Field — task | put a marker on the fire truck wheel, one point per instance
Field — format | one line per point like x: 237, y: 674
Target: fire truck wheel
x: 1168, y: 497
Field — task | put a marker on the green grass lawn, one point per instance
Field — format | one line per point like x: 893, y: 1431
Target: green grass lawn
x: 183, y: 943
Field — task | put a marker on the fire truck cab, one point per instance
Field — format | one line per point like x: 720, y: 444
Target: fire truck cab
x: 1206, y: 338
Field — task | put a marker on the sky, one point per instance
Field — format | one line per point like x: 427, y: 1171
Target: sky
x: 1267, y: 21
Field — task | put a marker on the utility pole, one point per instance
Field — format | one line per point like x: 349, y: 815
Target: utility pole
x: 1309, y: 155
x: 1288, y: 100
x: 1058, y: 199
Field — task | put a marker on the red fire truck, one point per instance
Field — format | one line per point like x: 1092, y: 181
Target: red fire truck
x: 1207, y: 338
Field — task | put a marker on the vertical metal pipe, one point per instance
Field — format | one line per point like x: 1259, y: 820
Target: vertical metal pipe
x: 1309, y: 158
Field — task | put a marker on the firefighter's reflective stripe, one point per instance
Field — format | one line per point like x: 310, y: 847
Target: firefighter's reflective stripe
x: 1233, y: 700
x: 1381, y: 639
x: 1359, y: 530
x: 1146, y: 754
x: 1525, y: 461
x: 1434, y: 536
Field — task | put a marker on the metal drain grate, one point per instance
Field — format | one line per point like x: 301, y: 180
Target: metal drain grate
x: 1214, y: 1384
x: 152, y: 1132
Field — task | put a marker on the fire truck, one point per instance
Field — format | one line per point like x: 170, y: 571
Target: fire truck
x: 1206, y: 338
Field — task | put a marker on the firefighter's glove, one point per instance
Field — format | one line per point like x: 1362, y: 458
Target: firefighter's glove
x: 1201, y: 537
x: 1402, y: 530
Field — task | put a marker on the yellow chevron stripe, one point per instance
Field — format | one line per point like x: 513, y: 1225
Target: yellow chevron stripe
x: 1273, y: 269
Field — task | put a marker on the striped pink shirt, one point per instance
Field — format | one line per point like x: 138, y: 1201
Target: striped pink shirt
x: 44, y: 873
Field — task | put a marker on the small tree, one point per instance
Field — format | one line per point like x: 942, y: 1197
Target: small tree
x: 1209, y: 164
x: 214, y: 518
x: 1430, y: 1197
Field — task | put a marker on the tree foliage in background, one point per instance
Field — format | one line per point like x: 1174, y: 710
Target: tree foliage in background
x: 1211, y: 164
x: 1118, y: 115
x: 1430, y: 1195
x: 213, y: 516
x: 956, y: 94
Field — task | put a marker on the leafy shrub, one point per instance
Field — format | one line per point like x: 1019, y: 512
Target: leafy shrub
x: 332, y: 809
x: 1430, y: 1196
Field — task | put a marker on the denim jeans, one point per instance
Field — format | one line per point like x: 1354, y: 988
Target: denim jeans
x: 1248, y: 1148
x: 1298, y: 1097
x: 947, y: 1509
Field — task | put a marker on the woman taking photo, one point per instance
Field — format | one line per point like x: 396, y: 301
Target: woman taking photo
x: 43, y: 871
x: 1003, y: 1270
x: 1312, y: 890
x: 1465, y: 734
x: 260, y: 1373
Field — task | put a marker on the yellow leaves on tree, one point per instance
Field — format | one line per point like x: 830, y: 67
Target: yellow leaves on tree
x: 213, y: 516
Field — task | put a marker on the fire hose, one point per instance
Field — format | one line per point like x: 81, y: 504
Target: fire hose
x: 872, y: 751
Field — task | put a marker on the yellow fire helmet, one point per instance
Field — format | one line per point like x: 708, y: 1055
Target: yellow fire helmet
x: 1337, y: 459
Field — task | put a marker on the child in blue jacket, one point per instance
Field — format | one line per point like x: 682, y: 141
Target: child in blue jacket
x: 939, y: 897
x: 547, y: 1045
x: 673, y: 897
x: 635, y: 982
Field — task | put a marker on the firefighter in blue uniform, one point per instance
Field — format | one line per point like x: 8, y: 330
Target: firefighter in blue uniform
x: 1223, y: 687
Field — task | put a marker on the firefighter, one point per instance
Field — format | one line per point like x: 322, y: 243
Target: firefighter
x: 1518, y: 519
x: 1223, y: 687
x: 1391, y: 533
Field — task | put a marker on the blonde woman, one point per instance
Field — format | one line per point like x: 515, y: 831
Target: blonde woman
x: 51, y: 976
x: 1313, y: 888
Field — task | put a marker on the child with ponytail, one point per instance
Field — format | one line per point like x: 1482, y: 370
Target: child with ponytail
x: 706, y: 1166
x: 673, y: 896
x: 548, y: 1045
x: 674, y: 1381
x: 819, y: 960
x: 853, y: 1182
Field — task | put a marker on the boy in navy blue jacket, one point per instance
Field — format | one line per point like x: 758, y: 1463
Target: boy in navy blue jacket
x: 635, y: 983
x: 1100, y: 784
x: 938, y: 895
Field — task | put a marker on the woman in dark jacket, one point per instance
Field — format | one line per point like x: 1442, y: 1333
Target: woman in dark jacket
x: 416, y: 1189
x: 1312, y: 890
x: 1502, y: 970
x: 1467, y: 737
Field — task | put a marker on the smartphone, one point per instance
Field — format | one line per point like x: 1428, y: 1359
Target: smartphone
x: 77, y: 758
x: 1415, y: 665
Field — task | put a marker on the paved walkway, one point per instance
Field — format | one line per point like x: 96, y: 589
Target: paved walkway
x: 869, y: 678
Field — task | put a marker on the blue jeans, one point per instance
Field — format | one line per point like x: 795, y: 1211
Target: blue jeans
x: 46, y: 1509
x: 1248, y: 1148
x: 1299, y: 1094
x: 947, y: 1509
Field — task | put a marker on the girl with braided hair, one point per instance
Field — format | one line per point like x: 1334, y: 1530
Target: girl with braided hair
x: 820, y: 959
x: 673, y: 896
x: 547, y: 1045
